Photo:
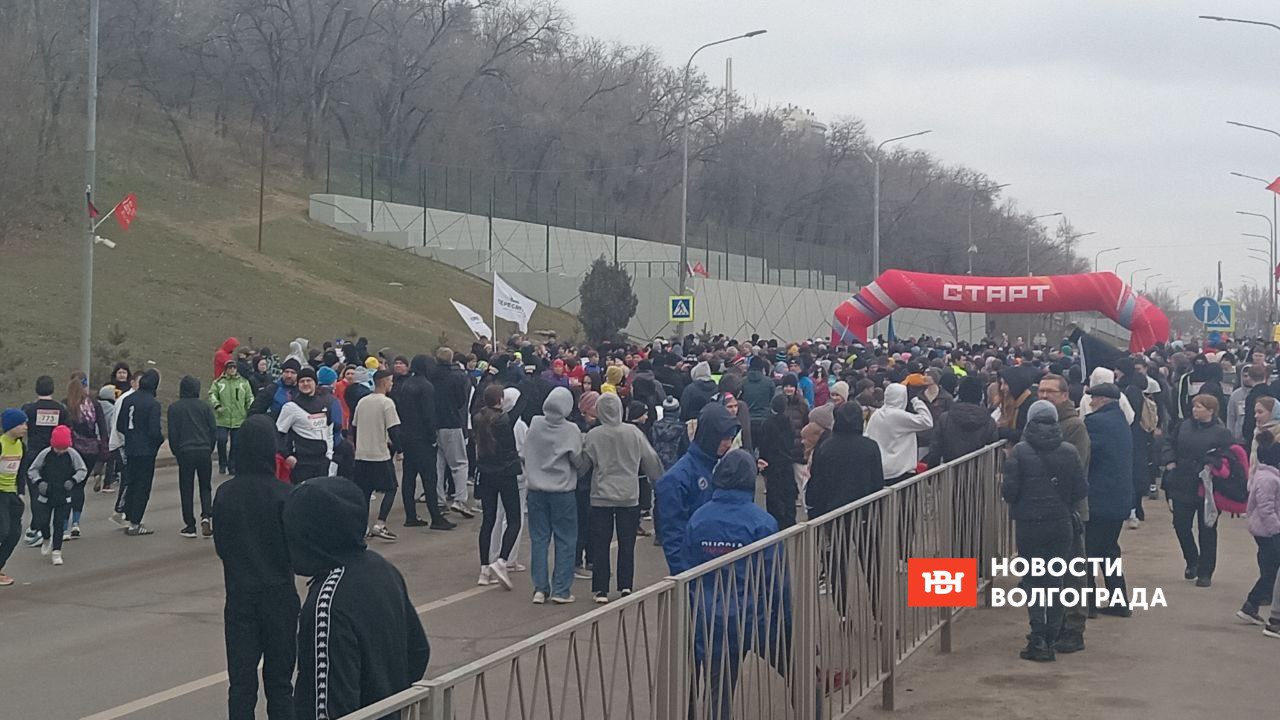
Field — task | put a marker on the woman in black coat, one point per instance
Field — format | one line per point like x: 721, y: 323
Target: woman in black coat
x: 1043, y: 482
x: 1191, y: 440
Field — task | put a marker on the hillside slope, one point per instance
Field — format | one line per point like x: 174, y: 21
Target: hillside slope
x: 187, y: 275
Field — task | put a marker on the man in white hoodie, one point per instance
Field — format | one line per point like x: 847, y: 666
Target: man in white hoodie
x: 894, y: 429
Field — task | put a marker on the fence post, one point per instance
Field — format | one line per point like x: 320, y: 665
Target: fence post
x: 491, y: 236
x: 328, y: 148
x: 470, y: 192
x: 373, y: 170
x: 548, y: 257
x: 805, y: 624
x: 360, y: 162
x: 946, y: 521
x: 424, y: 203
x: 673, y: 671
x: 888, y: 599
x: 615, y: 241
x: 990, y: 529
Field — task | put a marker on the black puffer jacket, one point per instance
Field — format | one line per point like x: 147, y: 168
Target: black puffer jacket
x: 416, y: 402
x: 1043, y: 478
x: 846, y: 467
x: 1191, y: 441
x: 964, y: 428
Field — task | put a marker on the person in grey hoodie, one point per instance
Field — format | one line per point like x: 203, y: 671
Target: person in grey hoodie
x: 617, y: 453
x: 552, y: 453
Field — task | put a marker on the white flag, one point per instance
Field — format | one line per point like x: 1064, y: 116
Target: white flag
x: 473, y: 320
x: 509, y: 304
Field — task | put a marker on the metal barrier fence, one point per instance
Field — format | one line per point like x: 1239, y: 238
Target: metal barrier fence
x: 803, y: 624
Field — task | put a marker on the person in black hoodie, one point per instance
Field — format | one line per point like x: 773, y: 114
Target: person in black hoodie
x: 846, y: 468
x: 453, y: 389
x: 1043, y: 481
x: 966, y: 427
x: 416, y: 406
x: 359, y: 637
x: 192, y: 432
x: 138, y: 419
x: 261, y: 612
x: 780, y: 447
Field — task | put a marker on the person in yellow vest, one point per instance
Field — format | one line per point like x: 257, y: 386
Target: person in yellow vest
x: 13, y: 425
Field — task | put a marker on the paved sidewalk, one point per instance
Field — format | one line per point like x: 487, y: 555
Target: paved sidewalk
x: 1193, y: 659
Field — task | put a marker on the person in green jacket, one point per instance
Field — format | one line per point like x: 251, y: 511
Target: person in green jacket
x: 230, y: 395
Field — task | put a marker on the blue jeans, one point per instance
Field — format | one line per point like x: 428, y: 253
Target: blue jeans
x: 553, y: 514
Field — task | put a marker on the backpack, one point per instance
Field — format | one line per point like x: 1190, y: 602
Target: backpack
x: 1149, y: 419
x: 1230, y: 469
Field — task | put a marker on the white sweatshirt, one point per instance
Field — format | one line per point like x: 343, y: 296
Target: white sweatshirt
x: 894, y: 429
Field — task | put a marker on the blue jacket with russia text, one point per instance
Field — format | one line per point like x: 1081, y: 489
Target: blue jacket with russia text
x: 687, y: 485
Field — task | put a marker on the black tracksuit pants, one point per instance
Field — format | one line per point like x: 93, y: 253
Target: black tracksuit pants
x: 419, y: 461
x: 139, y: 471
x: 1045, y: 540
x: 193, y: 467
x: 11, y: 509
x: 1203, y: 558
x: 261, y: 625
x: 780, y: 493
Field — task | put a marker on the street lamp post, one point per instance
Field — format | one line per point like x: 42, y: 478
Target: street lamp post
x: 1271, y: 225
x: 1116, y: 270
x: 1148, y: 279
x: 973, y: 249
x: 1271, y: 283
x: 1135, y: 272
x: 1037, y: 217
x: 875, y: 200
x: 1099, y: 254
x: 684, y: 178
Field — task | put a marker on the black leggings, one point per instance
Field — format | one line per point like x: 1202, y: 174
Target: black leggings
x: 490, y: 490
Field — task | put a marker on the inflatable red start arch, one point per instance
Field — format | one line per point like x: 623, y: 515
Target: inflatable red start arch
x: 1102, y: 292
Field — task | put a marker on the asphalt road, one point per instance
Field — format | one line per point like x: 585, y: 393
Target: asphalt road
x: 132, y: 627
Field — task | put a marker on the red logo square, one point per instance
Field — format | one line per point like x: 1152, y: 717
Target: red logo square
x: 942, y: 582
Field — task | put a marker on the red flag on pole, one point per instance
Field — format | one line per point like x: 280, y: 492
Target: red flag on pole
x: 1278, y: 273
x: 93, y: 211
x: 127, y: 210
x: 700, y: 270
x: 1274, y: 186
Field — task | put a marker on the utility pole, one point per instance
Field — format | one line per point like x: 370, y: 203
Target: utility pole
x: 90, y: 173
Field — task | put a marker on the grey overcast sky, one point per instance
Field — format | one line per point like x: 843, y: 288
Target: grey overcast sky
x: 1112, y: 111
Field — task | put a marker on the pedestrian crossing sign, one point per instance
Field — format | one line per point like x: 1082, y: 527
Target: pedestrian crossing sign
x: 680, y: 308
x: 1225, y: 321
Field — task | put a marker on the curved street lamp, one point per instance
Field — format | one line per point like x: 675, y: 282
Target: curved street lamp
x: 1099, y: 254
x: 684, y: 178
x: 1033, y: 219
x: 875, y: 199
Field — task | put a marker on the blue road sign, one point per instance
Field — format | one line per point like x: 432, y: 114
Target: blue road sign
x: 1226, y: 320
x: 1206, y: 309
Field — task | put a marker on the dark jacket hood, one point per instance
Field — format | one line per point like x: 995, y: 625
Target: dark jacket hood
x: 848, y: 419
x: 324, y: 522
x: 735, y: 471
x: 189, y: 387
x: 255, y: 447
x: 968, y: 416
x: 149, y: 382
x: 1043, y: 435
x: 714, y: 424
x: 422, y: 366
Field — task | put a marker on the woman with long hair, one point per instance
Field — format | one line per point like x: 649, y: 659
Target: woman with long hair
x: 499, y: 467
x: 88, y: 437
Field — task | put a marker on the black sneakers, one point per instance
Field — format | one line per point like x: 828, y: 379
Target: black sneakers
x: 443, y: 524
x: 416, y: 522
x: 1249, y: 613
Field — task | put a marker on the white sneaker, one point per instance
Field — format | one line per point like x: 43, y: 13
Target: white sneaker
x: 118, y: 519
x: 46, y: 547
x: 1133, y: 520
x: 57, y: 557
x: 499, y: 569
x: 486, y: 576
x: 462, y: 510
x: 75, y: 531
x: 539, y: 598
x: 565, y: 600
x: 516, y: 567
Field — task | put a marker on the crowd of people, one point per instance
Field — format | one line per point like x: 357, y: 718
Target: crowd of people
x: 584, y: 446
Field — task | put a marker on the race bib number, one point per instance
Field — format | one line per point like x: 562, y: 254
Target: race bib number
x: 317, y: 421
x: 47, y: 418
x: 9, y: 465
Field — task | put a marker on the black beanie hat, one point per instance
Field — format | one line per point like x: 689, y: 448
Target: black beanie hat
x: 291, y: 364
x: 307, y: 372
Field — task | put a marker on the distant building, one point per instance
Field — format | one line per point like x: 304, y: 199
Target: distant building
x: 800, y: 120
